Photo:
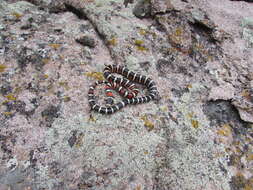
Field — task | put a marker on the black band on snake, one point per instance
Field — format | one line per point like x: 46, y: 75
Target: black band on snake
x: 120, y: 85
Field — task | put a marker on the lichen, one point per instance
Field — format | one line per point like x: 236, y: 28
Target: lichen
x: 92, y: 118
x: 64, y: 84
x: 66, y: 98
x: 195, y: 123
x: 249, y: 157
x: 2, y: 68
x: 45, y: 60
x: 142, y: 32
x: 147, y: 123
x: 17, y: 15
x: 7, y: 113
x: 54, y: 45
x: 140, y: 45
x: 11, y: 97
x: 238, y: 181
x: 95, y: 75
x: 225, y: 130
x: 112, y: 42
x: 138, y: 42
x: 79, y: 141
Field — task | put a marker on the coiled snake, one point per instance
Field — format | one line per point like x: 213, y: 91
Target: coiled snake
x: 120, y: 85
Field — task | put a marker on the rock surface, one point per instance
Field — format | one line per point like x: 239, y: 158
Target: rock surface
x: 197, y: 136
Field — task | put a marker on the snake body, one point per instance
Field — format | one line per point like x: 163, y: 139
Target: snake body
x: 120, y: 85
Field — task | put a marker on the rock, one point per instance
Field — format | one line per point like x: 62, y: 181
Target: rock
x: 160, y: 6
x: 224, y: 92
x: 247, y: 31
x: 244, y: 105
x: 142, y: 9
x: 246, y: 115
x: 49, y: 143
x: 247, y: 22
x: 200, y: 17
x: 127, y: 1
x: 3, y: 8
x: 243, y: 0
x: 18, y: 7
x: 87, y: 41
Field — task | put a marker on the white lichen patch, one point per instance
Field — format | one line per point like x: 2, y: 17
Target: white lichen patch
x: 124, y: 147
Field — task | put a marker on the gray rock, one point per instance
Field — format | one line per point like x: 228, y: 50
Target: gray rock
x: 18, y: 7
x: 247, y: 31
x: 160, y: 6
x: 142, y: 9
x: 87, y: 41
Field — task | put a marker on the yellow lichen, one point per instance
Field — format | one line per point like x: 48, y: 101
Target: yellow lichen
x: 17, y: 15
x: 84, y: 63
x: 210, y: 58
x: 190, y: 115
x: 248, y: 187
x: 195, y: 123
x: 246, y: 94
x: 45, y: 76
x: 145, y: 152
x: 147, y: 123
x: 112, y: 42
x: 164, y: 108
x: 225, y: 130
x: 79, y: 141
x: 141, y: 48
x: 2, y: 68
x: 92, y: 118
x: 142, y: 32
x: 238, y: 150
x: 55, y: 46
x: 138, y: 42
x: 178, y: 32
x: 239, y: 180
x: 249, y: 157
x: 17, y: 90
x: 7, y: 113
x: 66, y: 98
x: 64, y: 84
x: 95, y: 75
x: 5, y: 102
x: 45, y: 60
x: 236, y: 142
x: 249, y: 184
x: 11, y: 97
x: 189, y: 86
x: 140, y: 45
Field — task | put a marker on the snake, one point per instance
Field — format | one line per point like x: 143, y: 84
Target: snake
x: 125, y: 87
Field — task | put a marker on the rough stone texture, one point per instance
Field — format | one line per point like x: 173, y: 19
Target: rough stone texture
x: 222, y: 92
x: 198, y: 136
